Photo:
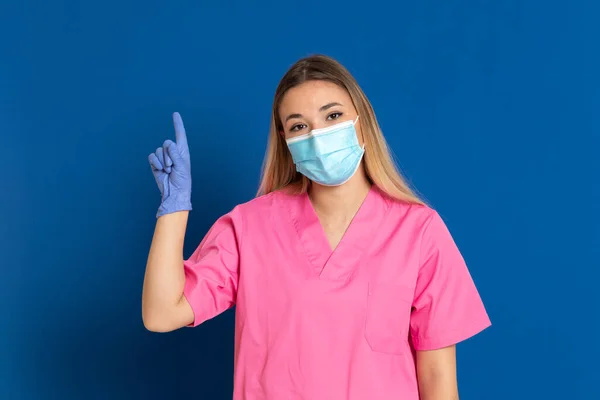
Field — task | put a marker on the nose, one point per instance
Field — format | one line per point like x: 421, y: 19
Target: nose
x: 316, y: 123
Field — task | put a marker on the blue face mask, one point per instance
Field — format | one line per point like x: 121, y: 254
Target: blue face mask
x: 328, y: 156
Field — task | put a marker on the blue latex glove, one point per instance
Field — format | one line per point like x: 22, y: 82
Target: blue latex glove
x: 171, y: 168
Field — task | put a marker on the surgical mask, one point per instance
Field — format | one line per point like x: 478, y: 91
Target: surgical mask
x: 328, y: 156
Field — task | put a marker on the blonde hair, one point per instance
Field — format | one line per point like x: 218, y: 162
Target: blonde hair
x: 279, y: 171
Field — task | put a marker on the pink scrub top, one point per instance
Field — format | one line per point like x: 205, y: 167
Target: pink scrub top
x: 317, y: 324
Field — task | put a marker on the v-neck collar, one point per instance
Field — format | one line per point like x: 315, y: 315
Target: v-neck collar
x: 339, y: 263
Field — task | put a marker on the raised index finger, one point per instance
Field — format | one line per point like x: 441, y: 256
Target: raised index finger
x: 180, y: 136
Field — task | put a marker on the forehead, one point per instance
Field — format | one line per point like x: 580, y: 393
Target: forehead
x: 311, y: 95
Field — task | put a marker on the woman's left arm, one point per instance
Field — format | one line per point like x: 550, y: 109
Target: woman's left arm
x: 446, y: 310
x: 436, y: 373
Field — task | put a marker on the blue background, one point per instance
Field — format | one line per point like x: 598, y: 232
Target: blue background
x: 491, y: 108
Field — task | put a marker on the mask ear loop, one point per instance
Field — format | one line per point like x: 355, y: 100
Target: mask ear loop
x: 355, y: 122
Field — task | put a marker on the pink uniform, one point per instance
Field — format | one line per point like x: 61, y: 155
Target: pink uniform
x: 317, y: 324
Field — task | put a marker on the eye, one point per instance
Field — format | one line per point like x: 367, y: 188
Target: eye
x: 297, y: 127
x: 334, y: 116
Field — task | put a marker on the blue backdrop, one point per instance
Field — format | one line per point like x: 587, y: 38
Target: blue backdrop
x: 491, y: 108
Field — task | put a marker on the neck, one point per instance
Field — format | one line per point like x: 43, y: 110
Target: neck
x: 340, y: 201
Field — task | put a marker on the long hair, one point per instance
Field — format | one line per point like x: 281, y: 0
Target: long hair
x: 278, y: 169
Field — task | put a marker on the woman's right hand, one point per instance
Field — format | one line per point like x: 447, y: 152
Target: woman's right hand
x: 164, y: 306
x: 172, y: 171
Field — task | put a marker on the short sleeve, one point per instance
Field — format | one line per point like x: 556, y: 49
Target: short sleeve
x: 211, y: 272
x: 447, y: 308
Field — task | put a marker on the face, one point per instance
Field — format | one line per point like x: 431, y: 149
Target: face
x: 316, y: 105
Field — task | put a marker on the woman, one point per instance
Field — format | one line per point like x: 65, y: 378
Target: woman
x: 346, y: 285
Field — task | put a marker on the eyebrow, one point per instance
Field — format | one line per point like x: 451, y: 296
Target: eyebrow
x: 328, y: 106
x: 324, y: 108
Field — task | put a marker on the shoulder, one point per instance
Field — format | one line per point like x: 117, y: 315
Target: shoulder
x: 261, y: 207
x: 426, y: 227
x: 421, y: 221
x: 424, y: 224
x: 261, y: 204
x: 417, y: 216
x: 252, y: 214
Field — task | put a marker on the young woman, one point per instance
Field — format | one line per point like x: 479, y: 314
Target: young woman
x: 346, y: 285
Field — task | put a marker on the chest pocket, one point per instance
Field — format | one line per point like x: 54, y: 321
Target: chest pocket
x: 388, y: 317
